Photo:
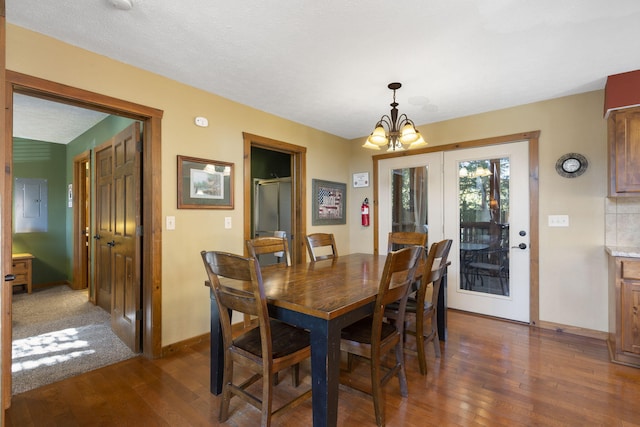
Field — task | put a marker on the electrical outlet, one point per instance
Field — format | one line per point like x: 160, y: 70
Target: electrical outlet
x: 227, y: 222
x: 171, y: 223
x: 558, y: 220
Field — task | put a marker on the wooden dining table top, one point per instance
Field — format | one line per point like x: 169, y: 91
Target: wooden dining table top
x: 325, y: 289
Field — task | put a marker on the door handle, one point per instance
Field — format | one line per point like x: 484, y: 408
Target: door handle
x: 111, y: 243
x: 520, y: 246
x: 9, y: 277
x: 96, y: 236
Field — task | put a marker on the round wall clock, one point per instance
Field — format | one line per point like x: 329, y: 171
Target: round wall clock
x: 571, y: 165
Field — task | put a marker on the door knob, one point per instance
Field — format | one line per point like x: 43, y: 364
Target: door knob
x: 96, y: 236
x: 520, y: 246
x: 113, y: 243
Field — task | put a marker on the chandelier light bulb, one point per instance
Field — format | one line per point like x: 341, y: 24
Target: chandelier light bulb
x: 378, y: 136
x: 408, y: 134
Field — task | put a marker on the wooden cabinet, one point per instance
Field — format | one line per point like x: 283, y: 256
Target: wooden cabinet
x: 624, y: 310
x: 624, y: 152
x: 22, y: 270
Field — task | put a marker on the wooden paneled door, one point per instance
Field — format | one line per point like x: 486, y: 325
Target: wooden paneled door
x: 104, y: 224
x: 117, y: 273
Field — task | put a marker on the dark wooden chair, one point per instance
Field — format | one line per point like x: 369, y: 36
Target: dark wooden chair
x: 264, y: 350
x: 373, y: 338
x: 402, y: 239
x: 320, y: 240
x: 278, y: 246
x: 419, y: 308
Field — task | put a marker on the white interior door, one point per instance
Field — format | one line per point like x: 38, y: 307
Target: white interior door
x: 486, y: 211
x: 410, y: 196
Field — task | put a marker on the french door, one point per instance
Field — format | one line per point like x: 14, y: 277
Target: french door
x: 410, y: 196
x: 486, y: 206
x: 478, y: 198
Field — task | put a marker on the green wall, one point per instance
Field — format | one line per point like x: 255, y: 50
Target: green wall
x: 44, y: 160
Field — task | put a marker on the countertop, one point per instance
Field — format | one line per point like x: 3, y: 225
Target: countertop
x: 624, y: 251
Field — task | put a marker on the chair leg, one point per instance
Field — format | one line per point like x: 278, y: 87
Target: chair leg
x: 436, y: 338
x: 295, y: 375
x: 402, y: 375
x: 502, y: 285
x: 422, y: 357
x: 349, y: 362
x: 223, y: 415
x: 267, y: 397
x: 376, y: 392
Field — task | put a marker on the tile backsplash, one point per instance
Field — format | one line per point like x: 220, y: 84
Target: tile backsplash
x: 622, y: 216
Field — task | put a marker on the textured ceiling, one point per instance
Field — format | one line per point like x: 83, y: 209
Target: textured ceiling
x: 327, y: 63
x: 43, y: 120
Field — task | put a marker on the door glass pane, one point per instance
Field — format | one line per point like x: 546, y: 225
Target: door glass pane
x: 409, y: 199
x: 483, y: 187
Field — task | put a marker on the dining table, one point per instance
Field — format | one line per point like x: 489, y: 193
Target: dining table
x: 321, y: 297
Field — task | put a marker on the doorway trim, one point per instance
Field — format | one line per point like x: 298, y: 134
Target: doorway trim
x: 534, y: 231
x: 81, y: 220
x: 151, y: 200
x: 298, y: 179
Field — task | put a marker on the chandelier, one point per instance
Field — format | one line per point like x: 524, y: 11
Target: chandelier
x: 395, y: 132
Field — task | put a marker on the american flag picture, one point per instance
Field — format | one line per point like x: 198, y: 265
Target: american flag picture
x: 330, y: 204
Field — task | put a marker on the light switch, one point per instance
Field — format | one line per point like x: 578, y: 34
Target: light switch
x: 171, y: 223
x: 558, y: 220
x: 227, y: 222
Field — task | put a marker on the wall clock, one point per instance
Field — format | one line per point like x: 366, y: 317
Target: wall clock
x: 571, y: 165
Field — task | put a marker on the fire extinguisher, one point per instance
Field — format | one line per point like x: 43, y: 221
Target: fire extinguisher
x: 364, y: 211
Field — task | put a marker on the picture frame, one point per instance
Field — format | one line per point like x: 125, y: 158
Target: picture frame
x: 204, y: 184
x: 329, y: 202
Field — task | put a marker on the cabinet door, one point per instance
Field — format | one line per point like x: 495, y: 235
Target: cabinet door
x: 630, y: 317
x: 625, y: 153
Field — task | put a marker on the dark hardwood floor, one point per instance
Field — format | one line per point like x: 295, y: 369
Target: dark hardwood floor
x: 492, y: 373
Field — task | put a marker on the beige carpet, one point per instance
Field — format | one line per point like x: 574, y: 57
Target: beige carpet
x: 58, y: 333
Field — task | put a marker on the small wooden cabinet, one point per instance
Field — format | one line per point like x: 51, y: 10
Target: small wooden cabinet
x: 22, y: 270
x: 624, y: 152
x: 624, y: 310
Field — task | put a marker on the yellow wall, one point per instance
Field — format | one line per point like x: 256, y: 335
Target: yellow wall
x: 572, y: 260
x: 573, y: 265
x: 185, y: 301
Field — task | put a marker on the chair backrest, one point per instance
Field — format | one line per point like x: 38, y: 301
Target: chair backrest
x: 269, y: 245
x: 397, y: 277
x: 318, y: 240
x: 402, y: 239
x: 246, y: 297
x: 437, y: 260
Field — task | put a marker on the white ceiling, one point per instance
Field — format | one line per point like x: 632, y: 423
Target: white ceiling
x: 43, y: 120
x: 327, y: 63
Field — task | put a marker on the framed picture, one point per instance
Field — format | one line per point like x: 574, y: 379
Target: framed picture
x: 361, y: 179
x: 204, y: 184
x: 329, y: 202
